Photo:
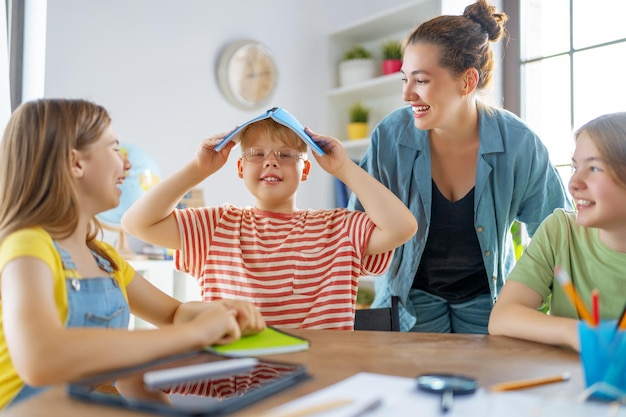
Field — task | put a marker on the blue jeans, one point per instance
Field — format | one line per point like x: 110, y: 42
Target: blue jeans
x: 436, y: 315
x: 92, y: 302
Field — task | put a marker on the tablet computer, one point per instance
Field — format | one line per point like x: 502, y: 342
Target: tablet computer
x: 281, y: 116
x: 199, y: 383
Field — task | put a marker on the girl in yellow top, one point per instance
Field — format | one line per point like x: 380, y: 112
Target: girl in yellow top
x: 65, y: 296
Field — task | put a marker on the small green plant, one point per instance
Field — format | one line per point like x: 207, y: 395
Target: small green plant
x: 364, y: 296
x: 359, y: 113
x: 392, y: 50
x: 357, y: 52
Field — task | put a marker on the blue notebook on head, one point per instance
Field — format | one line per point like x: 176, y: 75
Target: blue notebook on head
x: 281, y: 116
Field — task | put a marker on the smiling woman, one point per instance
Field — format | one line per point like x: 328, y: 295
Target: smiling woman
x: 449, y: 143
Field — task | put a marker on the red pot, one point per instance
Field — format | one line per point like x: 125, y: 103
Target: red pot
x: 391, y: 65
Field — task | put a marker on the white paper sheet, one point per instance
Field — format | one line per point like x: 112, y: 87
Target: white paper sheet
x: 400, y: 397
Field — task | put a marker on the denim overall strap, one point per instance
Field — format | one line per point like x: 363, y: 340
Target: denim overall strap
x: 92, y: 302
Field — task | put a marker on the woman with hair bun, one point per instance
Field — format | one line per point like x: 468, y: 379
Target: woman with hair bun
x: 465, y: 168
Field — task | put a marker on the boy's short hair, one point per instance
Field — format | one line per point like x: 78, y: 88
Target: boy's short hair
x: 276, y: 132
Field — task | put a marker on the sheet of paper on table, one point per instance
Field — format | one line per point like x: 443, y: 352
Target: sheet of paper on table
x: 399, y: 395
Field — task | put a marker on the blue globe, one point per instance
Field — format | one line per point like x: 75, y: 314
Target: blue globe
x: 143, y: 175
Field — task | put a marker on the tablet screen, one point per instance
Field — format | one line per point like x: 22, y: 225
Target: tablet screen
x: 199, y: 384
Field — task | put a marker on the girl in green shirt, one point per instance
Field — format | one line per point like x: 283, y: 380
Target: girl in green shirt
x: 589, y: 244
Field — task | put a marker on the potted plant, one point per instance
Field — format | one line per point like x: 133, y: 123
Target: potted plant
x: 357, y: 65
x: 392, y: 57
x: 359, y: 117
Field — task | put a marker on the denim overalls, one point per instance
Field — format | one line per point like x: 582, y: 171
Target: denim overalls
x: 92, y: 302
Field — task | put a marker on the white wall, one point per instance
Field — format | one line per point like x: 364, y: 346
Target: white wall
x: 151, y: 63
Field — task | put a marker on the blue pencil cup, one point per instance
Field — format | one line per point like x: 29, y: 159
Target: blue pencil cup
x: 603, y: 358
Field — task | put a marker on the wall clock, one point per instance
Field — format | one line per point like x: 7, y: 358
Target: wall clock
x: 247, y: 74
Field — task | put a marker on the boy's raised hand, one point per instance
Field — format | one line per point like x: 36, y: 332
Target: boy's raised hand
x: 395, y: 224
x: 207, y: 159
x: 335, y: 156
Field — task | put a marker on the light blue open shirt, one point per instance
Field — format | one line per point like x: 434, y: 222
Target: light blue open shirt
x: 514, y: 181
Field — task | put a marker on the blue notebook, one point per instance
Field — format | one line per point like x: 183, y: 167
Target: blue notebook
x: 281, y: 116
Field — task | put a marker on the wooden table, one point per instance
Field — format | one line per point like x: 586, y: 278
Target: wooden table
x: 335, y: 355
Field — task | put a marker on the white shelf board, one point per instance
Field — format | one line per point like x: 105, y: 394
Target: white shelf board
x: 375, y: 27
x: 373, y: 87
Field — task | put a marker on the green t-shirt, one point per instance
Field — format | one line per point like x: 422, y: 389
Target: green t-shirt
x: 560, y: 241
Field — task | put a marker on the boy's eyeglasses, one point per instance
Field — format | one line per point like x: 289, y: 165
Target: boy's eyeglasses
x: 261, y: 154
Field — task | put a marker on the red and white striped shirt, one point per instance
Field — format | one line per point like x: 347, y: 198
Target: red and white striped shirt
x: 301, y: 270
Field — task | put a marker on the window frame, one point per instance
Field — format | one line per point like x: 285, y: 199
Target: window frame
x: 513, y: 63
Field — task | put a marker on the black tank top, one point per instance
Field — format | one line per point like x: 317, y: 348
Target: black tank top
x: 452, y: 264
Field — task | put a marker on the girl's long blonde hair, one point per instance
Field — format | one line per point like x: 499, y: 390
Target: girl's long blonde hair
x: 36, y: 184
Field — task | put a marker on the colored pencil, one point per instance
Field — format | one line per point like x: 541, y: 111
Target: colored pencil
x: 566, y: 283
x: 595, y: 305
x: 621, y: 323
x: 528, y: 383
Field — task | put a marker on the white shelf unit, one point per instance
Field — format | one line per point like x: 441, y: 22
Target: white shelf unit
x: 383, y: 93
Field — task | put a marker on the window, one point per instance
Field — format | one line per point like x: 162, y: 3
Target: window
x: 569, y: 69
x: 5, y: 95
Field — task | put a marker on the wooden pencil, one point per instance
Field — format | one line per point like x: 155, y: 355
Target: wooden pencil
x: 566, y: 283
x: 528, y: 383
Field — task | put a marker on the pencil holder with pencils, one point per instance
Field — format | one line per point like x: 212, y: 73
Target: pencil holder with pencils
x: 603, y: 357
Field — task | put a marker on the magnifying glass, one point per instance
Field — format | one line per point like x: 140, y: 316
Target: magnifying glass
x: 448, y: 385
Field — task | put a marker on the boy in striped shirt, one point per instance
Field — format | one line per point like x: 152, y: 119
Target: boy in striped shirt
x: 299, y: 267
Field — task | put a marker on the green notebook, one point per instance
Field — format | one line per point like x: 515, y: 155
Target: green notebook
x: 270, y: 341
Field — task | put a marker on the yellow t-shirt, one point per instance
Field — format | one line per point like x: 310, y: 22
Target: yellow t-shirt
x: 37, y: 243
